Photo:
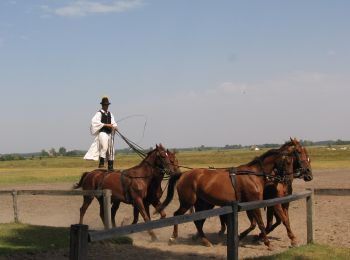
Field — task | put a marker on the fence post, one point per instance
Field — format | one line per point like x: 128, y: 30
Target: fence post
x: 232, y: 233
x: 107, y: 208
x: 309, y: 217
x: 15, y: 208
x: 78, y: 242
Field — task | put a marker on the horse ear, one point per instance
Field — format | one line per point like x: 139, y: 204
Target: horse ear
x: 291, y: 138
x: 156, y: 146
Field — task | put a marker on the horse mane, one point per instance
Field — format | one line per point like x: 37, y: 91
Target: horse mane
x: 263, y: 156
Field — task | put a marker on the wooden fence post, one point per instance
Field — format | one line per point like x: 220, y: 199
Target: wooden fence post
x: 232, y: 233
x: 78, y: 242
x: 107, y: 208
x: 15, y: 208
x: 309, y: 217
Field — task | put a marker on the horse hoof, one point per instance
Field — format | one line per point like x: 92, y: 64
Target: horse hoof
x: 207, y: 243
x: 172, y: 241
x: 294, y: 243
x: 270, y: 248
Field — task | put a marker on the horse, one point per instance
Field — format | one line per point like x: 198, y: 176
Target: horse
x: 302, y: 170
x: 154, y: 195
x: 130, y: 186
x: 205, y: 188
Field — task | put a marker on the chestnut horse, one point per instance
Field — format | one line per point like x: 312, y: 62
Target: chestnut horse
x: 154, y: 195
x: 302, y: 170
x: 281, y: 187
x: 205, y: 188
x: 130, y: 186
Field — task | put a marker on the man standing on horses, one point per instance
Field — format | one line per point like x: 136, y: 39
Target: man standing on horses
x: 103, y: 127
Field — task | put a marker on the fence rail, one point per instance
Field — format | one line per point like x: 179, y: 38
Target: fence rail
x: 232, y: 230
x: 105, y: 193
x: 80, y: 235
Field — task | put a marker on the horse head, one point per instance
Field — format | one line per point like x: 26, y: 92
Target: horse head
x: 302, y: 162
x: 164, y: 160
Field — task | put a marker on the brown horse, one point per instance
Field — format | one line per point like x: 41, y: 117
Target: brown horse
x: 279, y: 188
x: 154, y: 195
x: 204, y: 188
x: 130, y: 186
x: 302, y: 170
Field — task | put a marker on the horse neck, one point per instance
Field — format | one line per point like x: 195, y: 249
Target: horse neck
x: 149, y: 164
x: 267, y: 163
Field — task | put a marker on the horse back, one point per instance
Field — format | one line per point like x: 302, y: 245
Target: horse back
x: 213, y: 186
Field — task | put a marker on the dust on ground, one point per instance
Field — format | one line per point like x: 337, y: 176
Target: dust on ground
x: 331, y: 224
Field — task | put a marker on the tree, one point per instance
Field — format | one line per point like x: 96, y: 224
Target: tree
x: 44, y: 153
x: 62, y: 151
x: 52, y: 152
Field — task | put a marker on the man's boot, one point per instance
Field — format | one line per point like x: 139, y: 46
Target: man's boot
x: 110, y: 165
x: 102, y: 163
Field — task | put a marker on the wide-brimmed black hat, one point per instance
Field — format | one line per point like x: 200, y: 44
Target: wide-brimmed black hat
x: 105, y: 101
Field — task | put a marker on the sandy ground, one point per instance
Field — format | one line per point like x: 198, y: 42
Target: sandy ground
x: 331, y: 223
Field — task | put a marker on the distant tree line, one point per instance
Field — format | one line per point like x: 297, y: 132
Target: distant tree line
x: 62, y: 151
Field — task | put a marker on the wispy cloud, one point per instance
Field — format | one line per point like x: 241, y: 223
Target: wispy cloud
x: 87, y: 7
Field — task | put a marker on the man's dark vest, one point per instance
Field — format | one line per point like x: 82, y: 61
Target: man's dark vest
x: 106, y: 119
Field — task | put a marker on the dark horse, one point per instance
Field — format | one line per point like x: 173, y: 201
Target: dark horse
x: 154, y: 194
x: 131, y: 186
x: 302, y: 170
x: 205, y: 188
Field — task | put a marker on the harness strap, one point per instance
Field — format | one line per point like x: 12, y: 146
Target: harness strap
x: 233, y: 176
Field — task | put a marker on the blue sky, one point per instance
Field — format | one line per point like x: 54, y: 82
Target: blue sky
x: 200, y: 72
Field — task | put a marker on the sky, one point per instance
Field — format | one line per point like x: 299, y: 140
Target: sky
x: 181, y: 73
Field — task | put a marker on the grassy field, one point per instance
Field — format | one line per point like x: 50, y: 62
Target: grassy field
x: 69, y: 169
x: 22, y: 238
x: 309, y: 252
x: 16, y: 238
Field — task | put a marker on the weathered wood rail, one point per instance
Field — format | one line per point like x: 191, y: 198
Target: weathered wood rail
x: 105, y: 193
x: 81, y: 236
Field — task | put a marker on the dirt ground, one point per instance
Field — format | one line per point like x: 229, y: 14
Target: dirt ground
x: 331, y: 223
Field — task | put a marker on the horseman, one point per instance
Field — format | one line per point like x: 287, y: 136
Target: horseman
x: 103, y: 127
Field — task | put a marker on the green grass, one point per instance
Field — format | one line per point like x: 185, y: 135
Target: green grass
x: 310, y: 252
x: 69, y: 169
x: 18, y: 238
x: 22, y: 238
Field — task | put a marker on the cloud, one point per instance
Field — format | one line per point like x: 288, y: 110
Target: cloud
x: 87, y: 7
x: 331, y: 53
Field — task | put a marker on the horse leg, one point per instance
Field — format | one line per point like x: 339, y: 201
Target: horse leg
x: 115, y: 207
x: 181, y: 210
x: 136, y: 215
x: 270, y: 212
x: 155, y: 204
x: 257, y: 215
x: 139, y: 204
x: 100, y: 201
x: 285, y: 220
x: 251, y: 227
x: 223, y: 221
x: 84, y: 207
x: 200, y: 206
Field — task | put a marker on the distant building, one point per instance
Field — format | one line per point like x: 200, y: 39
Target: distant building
x: 254, y: 148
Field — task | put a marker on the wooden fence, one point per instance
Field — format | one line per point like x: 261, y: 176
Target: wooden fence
x: 80, y: 235
x: 105, y: 193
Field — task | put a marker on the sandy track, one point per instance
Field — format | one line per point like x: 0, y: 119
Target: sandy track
x: 331, y: 222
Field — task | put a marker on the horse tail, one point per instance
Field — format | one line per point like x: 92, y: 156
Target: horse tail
x: 170, y: 194
x: 80, y: 183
